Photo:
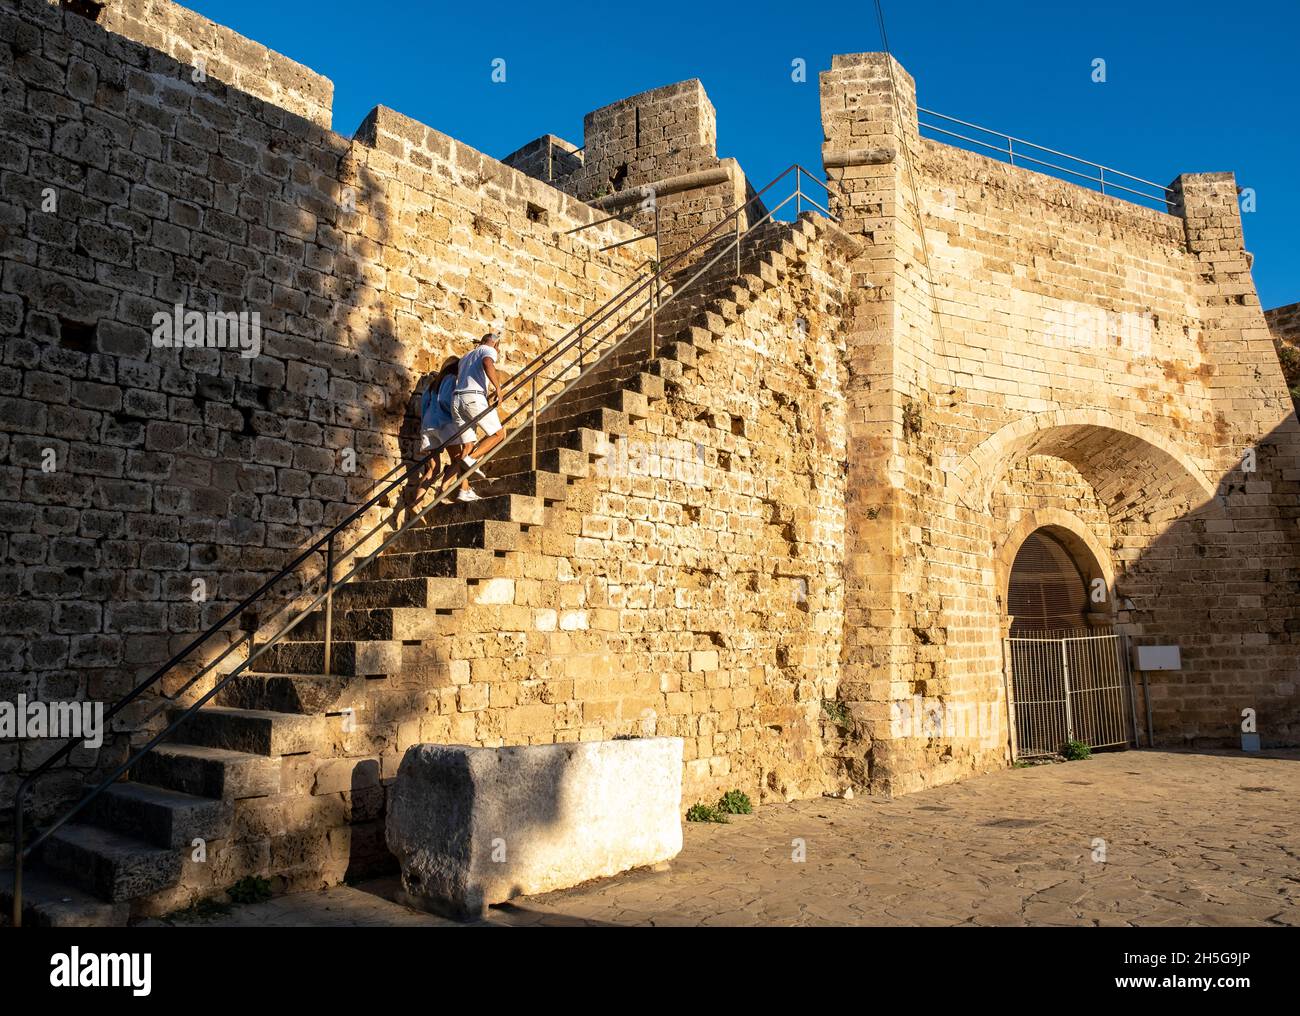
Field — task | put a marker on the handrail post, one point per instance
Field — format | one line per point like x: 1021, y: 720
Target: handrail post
x: 798, y: 192
x: 18, y: 859
x: 1011, y: 154
x: 329, y: 603
x: 738, y: 243
x: 654, y: 291
x: 533, y: 413
x: 1103, y: 178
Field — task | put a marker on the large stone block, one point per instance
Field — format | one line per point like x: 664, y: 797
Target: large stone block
x: 476, y: 826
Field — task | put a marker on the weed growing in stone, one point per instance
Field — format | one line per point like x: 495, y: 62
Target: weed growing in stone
x: 251, y: 889
x: 1075, y: 751
x: 735, y: 802
x: 705, y: 813
x: 837, y: 711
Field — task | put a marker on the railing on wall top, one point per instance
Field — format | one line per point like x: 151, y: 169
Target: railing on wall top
x: 556, y: 370
x: 1018, y: 152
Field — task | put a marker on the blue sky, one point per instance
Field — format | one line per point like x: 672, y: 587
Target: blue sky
x: 1201, y: 85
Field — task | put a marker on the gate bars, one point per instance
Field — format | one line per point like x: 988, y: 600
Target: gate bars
x: 1068, y: 688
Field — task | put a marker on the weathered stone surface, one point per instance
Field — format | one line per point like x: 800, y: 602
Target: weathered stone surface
x: 476, y: 826
x: 209, y: 772
x: 163, y: 817
x: 52, y: 903
x: 113, y: 866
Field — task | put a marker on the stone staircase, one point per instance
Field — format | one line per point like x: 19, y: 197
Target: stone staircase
x: 274, y: 779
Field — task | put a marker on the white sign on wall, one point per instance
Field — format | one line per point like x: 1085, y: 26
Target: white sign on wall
x: 1157, y: 658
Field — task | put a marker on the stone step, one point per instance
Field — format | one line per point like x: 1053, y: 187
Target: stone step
x: 291, y: 693
x: 112, y: 865
x: 431, y: 593
x: 555, y: 458
x: 499, y: 508
x: 50, y: 901
x: 377, y: 624
x: 621, y: 400
x: 209, y: 772
x: 668, y: 370
x: 625, y: 377
x: 487, y: 534
x: 348, y: 658
x: 607, y: 421
x: 672, y: 349
x: 550, y: 488
x: 256, y: 731
x: 711, y: 323
x: 578, y: 445
x: 454, y: 562
x: 700, y: 337
x: 165, y: 818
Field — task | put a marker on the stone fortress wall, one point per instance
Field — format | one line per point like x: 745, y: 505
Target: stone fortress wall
x: 369, y: 259
x: 833, y: 531
x: 1045, y: 330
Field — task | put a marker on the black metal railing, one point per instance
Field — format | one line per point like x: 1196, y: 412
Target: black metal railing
x: 1020, y: 152
x: 641, y: 299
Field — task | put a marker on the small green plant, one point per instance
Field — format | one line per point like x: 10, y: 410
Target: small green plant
x: 1075, y: 751
x: 251, y: 889
x: 1021, y: 763
x: 705, y: 813
x: 911, y: 419
x: 735, y: 802
x: 837, y: 711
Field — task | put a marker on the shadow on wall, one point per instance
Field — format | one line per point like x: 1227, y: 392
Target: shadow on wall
x: 1224, y: 585
x: 255, y: 461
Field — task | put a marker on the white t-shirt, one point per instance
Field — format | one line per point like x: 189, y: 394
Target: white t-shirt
x: 472, y: 376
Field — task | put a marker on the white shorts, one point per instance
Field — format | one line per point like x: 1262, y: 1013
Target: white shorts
x: 433, y: 437
x: 467, y: 405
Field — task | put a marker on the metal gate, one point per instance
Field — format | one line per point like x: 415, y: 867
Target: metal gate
x: 1070, y: 688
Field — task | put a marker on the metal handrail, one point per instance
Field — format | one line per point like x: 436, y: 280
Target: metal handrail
x: 1165, y: 194
x: 526, y: 378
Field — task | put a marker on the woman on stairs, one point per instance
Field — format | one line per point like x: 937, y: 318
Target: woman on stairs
x: 478, y: 392
x: 438, y: 430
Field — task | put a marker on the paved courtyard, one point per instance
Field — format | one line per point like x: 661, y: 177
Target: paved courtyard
x: 1178, y: 839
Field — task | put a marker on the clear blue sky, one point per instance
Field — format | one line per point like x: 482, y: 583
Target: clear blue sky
x: 1199, y: 85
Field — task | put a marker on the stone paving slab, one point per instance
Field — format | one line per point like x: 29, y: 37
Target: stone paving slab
x: 1189, y: 839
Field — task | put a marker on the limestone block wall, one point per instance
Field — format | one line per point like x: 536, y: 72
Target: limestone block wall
x: 548, y: 158
x: 1122, y: 341
x: 217, y: 51
x: 129, y: 472
x: 690, y: 586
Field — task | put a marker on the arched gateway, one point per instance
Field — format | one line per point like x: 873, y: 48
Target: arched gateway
x: 1067, y: 668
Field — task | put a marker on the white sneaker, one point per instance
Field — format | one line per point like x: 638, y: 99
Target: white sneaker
x: 471, y: 467
x: 468, y: 495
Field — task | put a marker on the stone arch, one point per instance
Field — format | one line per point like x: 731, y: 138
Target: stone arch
x: 1093, y: 559
x: 1106, y: 449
